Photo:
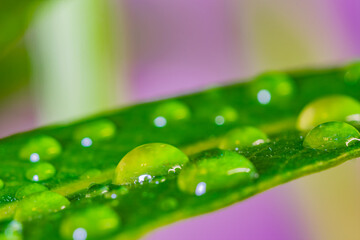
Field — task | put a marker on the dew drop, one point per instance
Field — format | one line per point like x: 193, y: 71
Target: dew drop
x: 331, y: 135
x: 170, y: 111
x: 40, y: 148
x: 40, y: 172
x: 98, y: 130
x: 36, y: 205
x: 96, y: 190
x: 326, y: 109
x: 225, y: 115
x: 273, y: 87
x: 215, y: 170
x: 148, y: 161
x: 29, y: 189
x: 242, y: 137
x: 97, y: 222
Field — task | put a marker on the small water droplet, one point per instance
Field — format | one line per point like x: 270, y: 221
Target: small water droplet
x: 148, y: 161
x: 30, y: 189
x: 170, y: 111
x: 96, y: 221
x: 331, y: 135
x: 40, y: 148
x: 326, y: 109
x: 158, y: 180
x: 225, y: 115
x: 215, y: 170
x: 242, y: 137
x: 40, y: 172
x: 38, y: 204
x: 80, y: 234
x: 273, y: 87
x: 97, y: 130
x: 96, y: 190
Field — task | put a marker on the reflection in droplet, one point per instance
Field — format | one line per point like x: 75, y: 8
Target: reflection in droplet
x: 264, y: 96
x: 40, y: 148
x: 148, y: 161
x: 332, y: 135
x: 326, y: 109
x: 35, y: 205
x: 242, y: 137
x: 98, y: 222
x: 79, y: 234
x: 97, y: 130
x: 160, y: 121
x: 216, y: 170
x: 40, y: 172
x: 96, y: 190
x: 29, y: 189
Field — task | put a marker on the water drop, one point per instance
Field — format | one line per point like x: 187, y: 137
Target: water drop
x: 326, y: 109
x: 216, y: 170
x: 40, y: 172
x: 40, y: 148
x: 98, y: 130
x: 331, y: 135
x: 96, y: 190
x: 273, y: 87
x: 352, y: 74
x: 97, y: 222
x: 29, y: 189
x: 36, y: 205
x: 170, y: 111
x: 242, y: 137
x: 225, y: 115
x: 1, y: 184
x: 148, y: 161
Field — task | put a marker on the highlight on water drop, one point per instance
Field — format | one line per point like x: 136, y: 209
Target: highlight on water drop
x: 332, y: 135
x: 147, y: 161
x: 326, y: 109
x: 216, y: 170
x: 242, y: 137
x: 40, y: 148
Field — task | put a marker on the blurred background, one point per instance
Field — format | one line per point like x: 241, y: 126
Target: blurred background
x: 63, y: 60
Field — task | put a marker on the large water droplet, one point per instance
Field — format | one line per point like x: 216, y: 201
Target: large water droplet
x: 170, y: 111
x: 96, y: 222
x: 36, y: 205
x: 331, y: 135
x: 40, y: 148
x: 216, y: 170
x: 98, y: 130
x: 40, y: 172
x: 148, y: 161
x: 96, y: 190
x: 29, y: 189
x: 352, y: 74
x: 1, y: 184
x: 326, y: 109
x: 273, y: 87
x: 243, y: 137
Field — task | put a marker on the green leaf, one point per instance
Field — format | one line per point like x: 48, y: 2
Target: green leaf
x: 84, y: 156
